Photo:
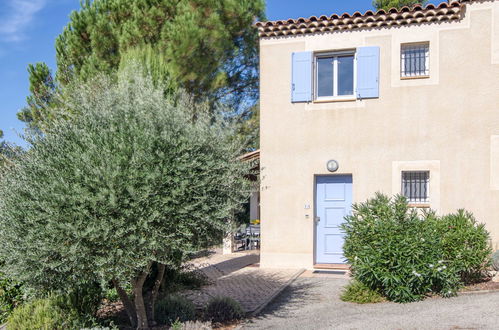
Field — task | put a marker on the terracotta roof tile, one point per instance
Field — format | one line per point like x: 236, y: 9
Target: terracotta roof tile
x: 417, y: 14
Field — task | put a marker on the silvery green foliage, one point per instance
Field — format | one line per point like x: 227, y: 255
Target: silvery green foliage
x: 132, y: 179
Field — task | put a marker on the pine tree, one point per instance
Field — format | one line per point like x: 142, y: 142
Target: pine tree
x: 206, y: 47
x: 249, y: 128
x: 389, y: 4
x: 41, y: 100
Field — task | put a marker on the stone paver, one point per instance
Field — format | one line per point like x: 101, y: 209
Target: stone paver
x: 239, y: 277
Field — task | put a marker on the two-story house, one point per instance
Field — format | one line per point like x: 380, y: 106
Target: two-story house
x: 399, y: 102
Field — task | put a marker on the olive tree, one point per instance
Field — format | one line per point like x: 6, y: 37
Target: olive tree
x: 129, y: 184
x: 8, y: 152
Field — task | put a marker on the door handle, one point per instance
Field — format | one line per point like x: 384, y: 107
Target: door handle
x: 317, y: 219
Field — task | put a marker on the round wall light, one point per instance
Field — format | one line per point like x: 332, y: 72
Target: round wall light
x: 332, y: 165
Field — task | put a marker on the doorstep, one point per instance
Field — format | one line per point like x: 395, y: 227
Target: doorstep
x: 345, y: 267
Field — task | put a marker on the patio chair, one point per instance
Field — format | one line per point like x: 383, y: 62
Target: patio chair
x: 240, y: 239
x: 253, y: 232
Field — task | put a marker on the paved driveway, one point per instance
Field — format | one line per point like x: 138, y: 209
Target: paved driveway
x: 313, y: 303
x: 237, y: 276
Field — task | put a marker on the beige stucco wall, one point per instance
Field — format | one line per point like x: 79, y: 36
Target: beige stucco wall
x: 446, y: 123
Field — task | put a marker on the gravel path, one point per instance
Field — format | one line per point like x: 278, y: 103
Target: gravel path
x: 313, y: 303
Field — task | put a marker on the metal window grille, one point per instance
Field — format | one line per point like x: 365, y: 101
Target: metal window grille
x: 415, y: 186
x: 415, y: 60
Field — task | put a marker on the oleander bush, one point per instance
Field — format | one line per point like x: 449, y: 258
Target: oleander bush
x: 223, y: 309
x: 465, y: 244
x: 359, y: 293
x: 173, y: 309
x: 406, y: 255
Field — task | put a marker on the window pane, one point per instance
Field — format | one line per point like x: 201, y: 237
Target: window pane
x: 345, y: 75
x: 325, y: 76
x: 415, y: 186
x: 415, y: 59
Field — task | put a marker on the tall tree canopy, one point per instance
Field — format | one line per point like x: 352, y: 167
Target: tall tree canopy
x: 388, y: 4
x: 2, y: 147
x: 8, y: 152
x: 42, y: 96
x: 206, y: 47
x: 118, y: 192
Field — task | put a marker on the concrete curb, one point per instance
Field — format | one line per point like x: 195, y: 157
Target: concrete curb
x: 478, y: 292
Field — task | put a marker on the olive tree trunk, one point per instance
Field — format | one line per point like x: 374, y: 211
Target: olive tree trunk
x: 125, y: 299
x: 140, y: 306
x: 153, y: 296
x: 140, y: 310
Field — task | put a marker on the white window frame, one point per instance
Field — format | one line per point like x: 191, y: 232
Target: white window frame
x: 403, y: 71
x: 428, y: 185
x: 335, y: 96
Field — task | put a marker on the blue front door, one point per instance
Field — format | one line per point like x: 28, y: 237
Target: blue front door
x: 333, y: 203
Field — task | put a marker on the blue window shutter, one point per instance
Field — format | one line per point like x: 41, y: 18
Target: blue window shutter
x: 367, y: 72
x: 301, y: 82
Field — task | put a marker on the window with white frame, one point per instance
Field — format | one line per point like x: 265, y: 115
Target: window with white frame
x: 335, y: 75
x: 415, y: 60
x: 416, y: 186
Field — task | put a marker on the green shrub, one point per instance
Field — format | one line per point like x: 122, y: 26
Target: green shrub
x: 191, y: 325
x: 84, y: 299
x: 177, y: 325
x: 359, y: 293
x: 495, y: 260
x: 43, y: 314
x: 191, y: 278
x: 465, y: 244
x: 111, y: 295
x: 405, y: 255
x: 223, y: 309
x: 174, y: 308
x: 186, y: 277
x: 11, y: 295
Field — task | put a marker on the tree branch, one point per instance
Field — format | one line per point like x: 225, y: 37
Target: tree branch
x: 155, y: 289
x: 140, y: 308
x: 125, y: 299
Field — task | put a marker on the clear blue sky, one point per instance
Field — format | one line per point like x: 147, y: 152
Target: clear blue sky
x: 28, y: 29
